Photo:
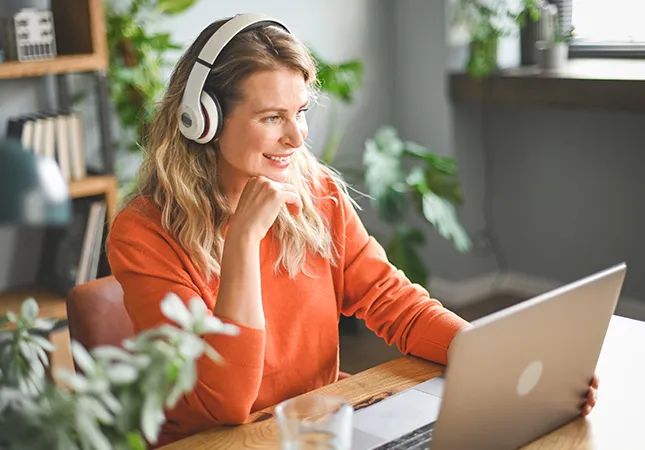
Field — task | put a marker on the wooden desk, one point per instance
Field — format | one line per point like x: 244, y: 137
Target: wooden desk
x: 615, y: 423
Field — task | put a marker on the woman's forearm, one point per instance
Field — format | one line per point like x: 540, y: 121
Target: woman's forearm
x: 240, y: 292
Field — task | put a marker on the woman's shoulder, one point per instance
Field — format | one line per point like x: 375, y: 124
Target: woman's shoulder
x: 331, y: 193
x: 328, y: 185
x: 138, y: 213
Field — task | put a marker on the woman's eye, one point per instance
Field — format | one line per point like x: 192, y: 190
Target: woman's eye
x: 272, y: 118
x: 302, y: 112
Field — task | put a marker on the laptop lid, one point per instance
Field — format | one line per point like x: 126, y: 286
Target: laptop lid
x: 523, y: 371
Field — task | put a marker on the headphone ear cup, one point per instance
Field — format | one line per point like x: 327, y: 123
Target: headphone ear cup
x: 212, y: 118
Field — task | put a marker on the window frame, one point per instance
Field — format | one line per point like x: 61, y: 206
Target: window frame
x: 609, y: 50
x: 600, y: 50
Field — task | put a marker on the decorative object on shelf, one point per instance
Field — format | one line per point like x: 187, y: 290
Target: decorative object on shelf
x: 29, y: 35
x: 487, y: 22
x: 430, y: 187
x: 118, y: 401
x: 553, y: 44
x: 34, y: 193
x: 529, y: 21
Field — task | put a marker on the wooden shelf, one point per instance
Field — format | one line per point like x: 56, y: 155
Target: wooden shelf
x: 92, y: 185
x: 582, y: 83
x: 50, y: 305
x: 61, y: 64
x: 97, y: 185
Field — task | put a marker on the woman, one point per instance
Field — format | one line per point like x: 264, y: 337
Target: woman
x: 254, y: 225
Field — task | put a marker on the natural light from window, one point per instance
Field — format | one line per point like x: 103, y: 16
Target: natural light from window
x: 609, y: 21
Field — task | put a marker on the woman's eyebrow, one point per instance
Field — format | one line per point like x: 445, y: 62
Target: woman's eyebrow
x: 279, y: 108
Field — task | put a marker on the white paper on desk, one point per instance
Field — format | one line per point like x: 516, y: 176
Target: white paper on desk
x: 398, y: 415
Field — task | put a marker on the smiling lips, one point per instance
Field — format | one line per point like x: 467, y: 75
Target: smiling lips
x: 281, y: 161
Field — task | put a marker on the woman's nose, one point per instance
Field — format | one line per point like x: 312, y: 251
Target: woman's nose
x: 293, y: 135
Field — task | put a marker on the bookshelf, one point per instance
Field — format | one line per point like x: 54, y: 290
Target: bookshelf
x: 80, y: 40
x: 59, y: 65
x: 81, y: 43
x: 105, y: 185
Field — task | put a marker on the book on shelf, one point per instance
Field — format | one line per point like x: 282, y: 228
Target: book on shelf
x: 54, y: 134
x: 71, y: 254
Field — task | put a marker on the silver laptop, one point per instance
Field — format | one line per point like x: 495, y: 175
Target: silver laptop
x: 517, y: 375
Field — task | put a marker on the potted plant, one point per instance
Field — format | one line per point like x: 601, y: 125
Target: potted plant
x: 487, y: 22
x: 138, y: 55
x: 553, y: 50
x: 340, y: 82
x: 118, y: 400
x: 430, y: 188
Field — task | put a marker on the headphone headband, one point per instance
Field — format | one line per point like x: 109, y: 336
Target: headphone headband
x: 192, y: 121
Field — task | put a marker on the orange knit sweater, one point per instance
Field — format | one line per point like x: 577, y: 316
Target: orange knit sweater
x: 298, y: 349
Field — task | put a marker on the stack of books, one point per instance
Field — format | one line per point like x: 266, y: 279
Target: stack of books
x: 57, y: 135
x: 71, y: 255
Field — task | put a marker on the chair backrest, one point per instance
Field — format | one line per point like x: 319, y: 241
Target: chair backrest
x: 96, y: 314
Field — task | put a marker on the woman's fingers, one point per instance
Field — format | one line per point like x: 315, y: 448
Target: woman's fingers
x: 590, y: 401
x: 293, y: 201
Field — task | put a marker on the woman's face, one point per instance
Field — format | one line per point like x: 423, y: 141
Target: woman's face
x: 264, y: 129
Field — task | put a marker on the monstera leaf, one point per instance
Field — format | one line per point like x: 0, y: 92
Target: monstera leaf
x: 382, y: 161
x: 441, y: 213
x: 431, y: 185
x: 439, y: 210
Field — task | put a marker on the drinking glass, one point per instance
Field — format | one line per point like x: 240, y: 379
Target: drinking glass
x: 315, y: 422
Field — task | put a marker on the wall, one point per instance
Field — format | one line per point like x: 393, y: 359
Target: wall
x: 567, y: 188
x: 558, y: 188
x: 336, y: 29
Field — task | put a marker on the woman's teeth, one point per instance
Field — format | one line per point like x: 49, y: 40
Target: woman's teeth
x: 278, y: 158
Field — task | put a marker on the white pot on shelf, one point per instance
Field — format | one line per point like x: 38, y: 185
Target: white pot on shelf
x: 552, y: 56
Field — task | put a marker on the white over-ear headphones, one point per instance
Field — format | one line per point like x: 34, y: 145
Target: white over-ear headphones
x: 200, y: 114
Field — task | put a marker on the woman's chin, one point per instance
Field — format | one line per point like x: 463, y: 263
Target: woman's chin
x: 279, y: 176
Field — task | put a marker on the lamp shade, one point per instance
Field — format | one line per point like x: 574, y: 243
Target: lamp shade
x: 33, y: 191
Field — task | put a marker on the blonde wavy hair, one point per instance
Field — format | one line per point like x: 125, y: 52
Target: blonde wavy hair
x: 181, y: 176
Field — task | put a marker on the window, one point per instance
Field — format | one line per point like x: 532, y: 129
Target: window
x: 608, y: 28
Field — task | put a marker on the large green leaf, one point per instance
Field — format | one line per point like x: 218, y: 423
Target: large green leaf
x: 402, y: 253
x: 434, y: 180
x: 172, y: 7
x: 161, y: 42
x: 443, y: 185
x: 382, y: 169
x: 441, y: 213
x: 443, y: 164
x: 339, y: 80
x: 388, y: 142
x: 391, y: 205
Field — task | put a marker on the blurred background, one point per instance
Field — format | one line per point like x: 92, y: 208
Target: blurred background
x: 498, y: 142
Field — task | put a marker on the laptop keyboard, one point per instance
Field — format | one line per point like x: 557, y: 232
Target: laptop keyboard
x: 418, y: 439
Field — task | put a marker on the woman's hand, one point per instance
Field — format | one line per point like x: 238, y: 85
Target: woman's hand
x: 259, y: 206
x: 591, y: 398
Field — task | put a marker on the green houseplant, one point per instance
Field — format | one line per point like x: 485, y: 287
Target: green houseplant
x: 139, y: 53
x: 487, y: 22
x: 118, y: 401
x: 430, y: 187
x: 340, y: 82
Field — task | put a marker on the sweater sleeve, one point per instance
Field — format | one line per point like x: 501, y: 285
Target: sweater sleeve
x: 149, y: 264
x: 394, y: 308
